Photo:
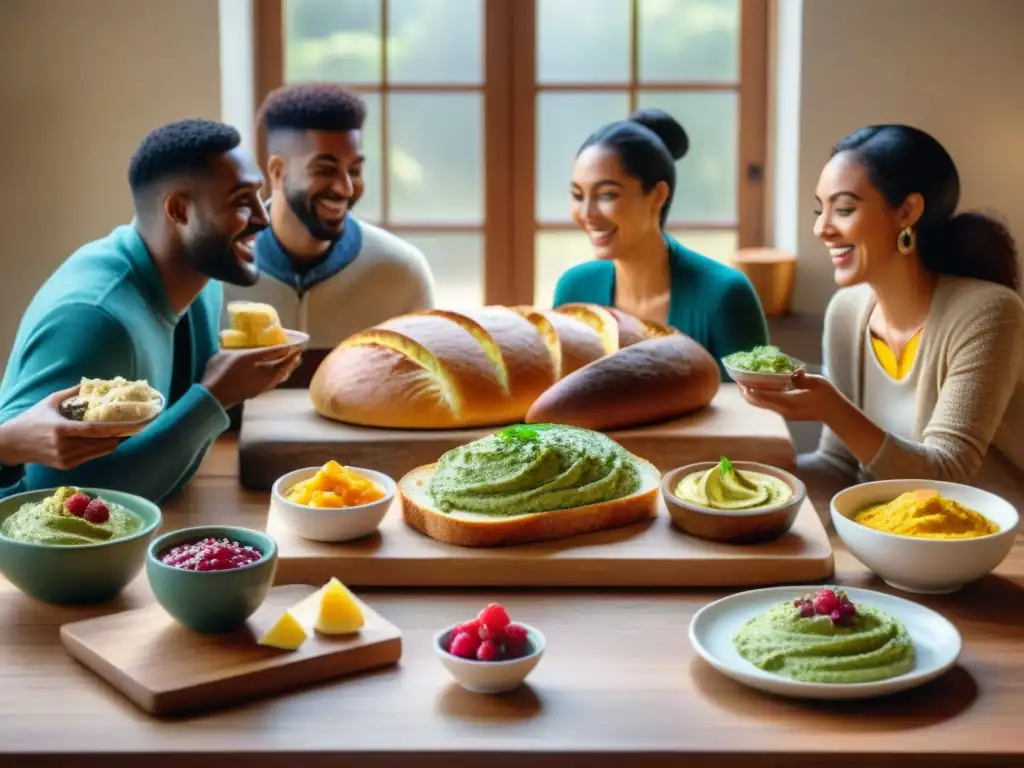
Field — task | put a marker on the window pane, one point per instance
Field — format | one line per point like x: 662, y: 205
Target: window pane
x: 332, y: 40
x: 689, y: 40
x: 435, y: 158
x: 435, y: 41
x: 706, y: 178
x: 458, y: 266
x: 564, y: 120
x: 368, y: 208
x: 558, y: 251
x: 583, y: 41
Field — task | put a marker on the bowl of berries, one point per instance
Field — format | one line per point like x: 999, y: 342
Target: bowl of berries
x: 489, y: 653
x: 212, y: 578
x: 72, y: 546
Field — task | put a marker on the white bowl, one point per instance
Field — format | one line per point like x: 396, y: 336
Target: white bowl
x: 774, y: 382
x: 491, y: 676
x: 925, y: 566
x: 331, y: 524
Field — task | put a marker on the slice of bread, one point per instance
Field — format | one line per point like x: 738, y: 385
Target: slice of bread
x: 473, y: 529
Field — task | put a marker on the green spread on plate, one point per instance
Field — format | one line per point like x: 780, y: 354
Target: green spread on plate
x: 47, y: 521
x: 761, y: 359
x: 869, y: 647
x: 530, y: 468
x: 727, y: 488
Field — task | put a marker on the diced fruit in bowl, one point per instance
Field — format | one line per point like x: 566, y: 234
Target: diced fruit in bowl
x: 490, y: 653
x: 335, y: 486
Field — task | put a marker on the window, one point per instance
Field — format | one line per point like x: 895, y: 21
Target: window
x: 477, y: 108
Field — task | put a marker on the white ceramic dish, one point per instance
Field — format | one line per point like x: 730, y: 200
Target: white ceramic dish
x: 295, y: 339
x: 774, y: 382
x: 937, y: 643
x: 330, y: 524
x: 926, y: 566
x: 106, y: 429
x: 491, y: 676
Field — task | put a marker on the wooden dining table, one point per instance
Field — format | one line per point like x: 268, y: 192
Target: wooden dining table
x: 619, y: 684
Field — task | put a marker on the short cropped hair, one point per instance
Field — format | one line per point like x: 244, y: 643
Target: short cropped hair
x: 312, y: 107
x: 173, y: 149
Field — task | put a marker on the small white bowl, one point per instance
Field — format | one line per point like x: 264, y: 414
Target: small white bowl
x: 329, y: 523
x: 925, y: 566
x: 772, y: 382
x: 491, y: 676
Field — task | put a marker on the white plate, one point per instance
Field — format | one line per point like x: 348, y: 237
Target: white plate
x: 295, y: 339
x: 762, y: 379
x: 937, y: 642
x: 108, y: 429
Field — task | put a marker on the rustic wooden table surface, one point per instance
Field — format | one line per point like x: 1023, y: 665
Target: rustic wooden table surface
x: 619, y: 685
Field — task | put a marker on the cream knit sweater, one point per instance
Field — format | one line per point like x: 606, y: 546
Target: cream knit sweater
x: 969, y: 404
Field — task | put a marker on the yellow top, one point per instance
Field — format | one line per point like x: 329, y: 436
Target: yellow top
x: 898, y: 369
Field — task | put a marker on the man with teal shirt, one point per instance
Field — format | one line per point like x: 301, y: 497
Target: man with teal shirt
x: 622, y: 187
x: 144, y: 302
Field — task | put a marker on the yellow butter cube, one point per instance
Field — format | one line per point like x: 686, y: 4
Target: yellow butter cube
x: 286, y: 634
x: 338, y: 613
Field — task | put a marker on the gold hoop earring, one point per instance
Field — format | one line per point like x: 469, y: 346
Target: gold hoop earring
x: 906, y: 241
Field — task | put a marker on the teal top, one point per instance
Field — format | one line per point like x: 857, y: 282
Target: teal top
x: 105, y: 313
x: 712, y: 303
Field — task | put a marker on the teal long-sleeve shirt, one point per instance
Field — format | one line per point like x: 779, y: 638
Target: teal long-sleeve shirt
x: 712, y: 303
x: 104, y: 313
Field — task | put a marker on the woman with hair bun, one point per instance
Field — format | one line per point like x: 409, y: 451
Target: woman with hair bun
x: 924, y: 342
x: 623, y: 181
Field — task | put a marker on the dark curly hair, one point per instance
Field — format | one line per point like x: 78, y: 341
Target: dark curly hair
x: 181, y: 147
x: 312, y: 107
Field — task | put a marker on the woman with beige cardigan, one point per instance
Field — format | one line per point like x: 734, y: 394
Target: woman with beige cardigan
x: 923, y: 344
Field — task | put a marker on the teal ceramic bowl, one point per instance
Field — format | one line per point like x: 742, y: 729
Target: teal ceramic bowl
x: 77, y: 574
x: 212, y: 601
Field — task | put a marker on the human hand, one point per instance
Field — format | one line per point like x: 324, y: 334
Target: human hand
x: 41, y: 435
x: 810, y: 399
x: 234, y: 377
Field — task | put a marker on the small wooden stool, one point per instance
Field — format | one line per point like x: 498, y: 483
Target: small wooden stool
x: 773, y: 275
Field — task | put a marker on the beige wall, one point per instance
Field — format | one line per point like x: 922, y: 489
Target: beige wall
x: 81, y: 81
x: 952, y: 67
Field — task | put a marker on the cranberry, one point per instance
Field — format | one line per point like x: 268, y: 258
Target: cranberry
x: 806, y: 609
x: 488, y: 651
x: 76, y: 505
x: 464, y: 645
x: 515, y: 641
x: 494, y: 618
x: 826, y: 602
x: 97, y: 511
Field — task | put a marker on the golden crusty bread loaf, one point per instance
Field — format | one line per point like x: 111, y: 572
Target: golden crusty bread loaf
x: 441, y: 369
x: 469, y: 529
x: 652, y: 380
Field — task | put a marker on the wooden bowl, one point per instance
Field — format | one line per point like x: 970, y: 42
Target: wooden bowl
x: 733, y: 526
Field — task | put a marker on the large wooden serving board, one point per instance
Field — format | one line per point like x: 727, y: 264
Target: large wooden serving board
x: 649, y: 554
x: 282, y: 432
x: 166, y: 669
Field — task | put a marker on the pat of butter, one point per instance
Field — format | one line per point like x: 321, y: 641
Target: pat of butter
x: 286, y: 634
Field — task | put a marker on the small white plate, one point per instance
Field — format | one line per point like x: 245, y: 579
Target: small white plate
x: 295, y: 339
x: 775, y: 382
x: 108, y: 429
x: 937, y: 642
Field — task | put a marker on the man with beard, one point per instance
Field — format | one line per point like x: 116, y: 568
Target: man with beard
x: 324, y: 271
x: 145, y: 302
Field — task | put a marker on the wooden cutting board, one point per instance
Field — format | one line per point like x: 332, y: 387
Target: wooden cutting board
x: 282, y: 432
x: 647, y: 554
x: 167, y: 669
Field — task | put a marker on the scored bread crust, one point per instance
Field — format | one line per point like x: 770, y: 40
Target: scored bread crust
x: 477, y: 530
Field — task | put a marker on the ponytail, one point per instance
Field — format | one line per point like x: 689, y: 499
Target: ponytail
x: 974, y: 245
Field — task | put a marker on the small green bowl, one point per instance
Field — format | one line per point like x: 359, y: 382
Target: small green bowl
x: 83, y: 574
x: 212, y: 601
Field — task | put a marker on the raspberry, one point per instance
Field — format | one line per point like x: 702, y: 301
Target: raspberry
x: 494, y: 618
x: 826, y: 602
x: 472, y: 627
x: 515, y: 641
x: 464, y: 645
x: 97, y: 511
x: 844, y: 613
x: 77, y: 504
x: 488, y: 651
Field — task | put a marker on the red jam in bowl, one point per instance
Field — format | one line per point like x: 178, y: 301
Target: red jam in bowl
x: 210, y: 555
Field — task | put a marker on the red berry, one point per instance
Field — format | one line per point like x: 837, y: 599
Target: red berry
x: 515, y: 641
x: 806, y: 610
x: 97, y: 511
x: 494, y: 618
x: 464, y: 645
x: 472, y: 627
x: 826, y: 602
x: 488, y: 651
x: 845, y: 611
x: 76, y: 505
